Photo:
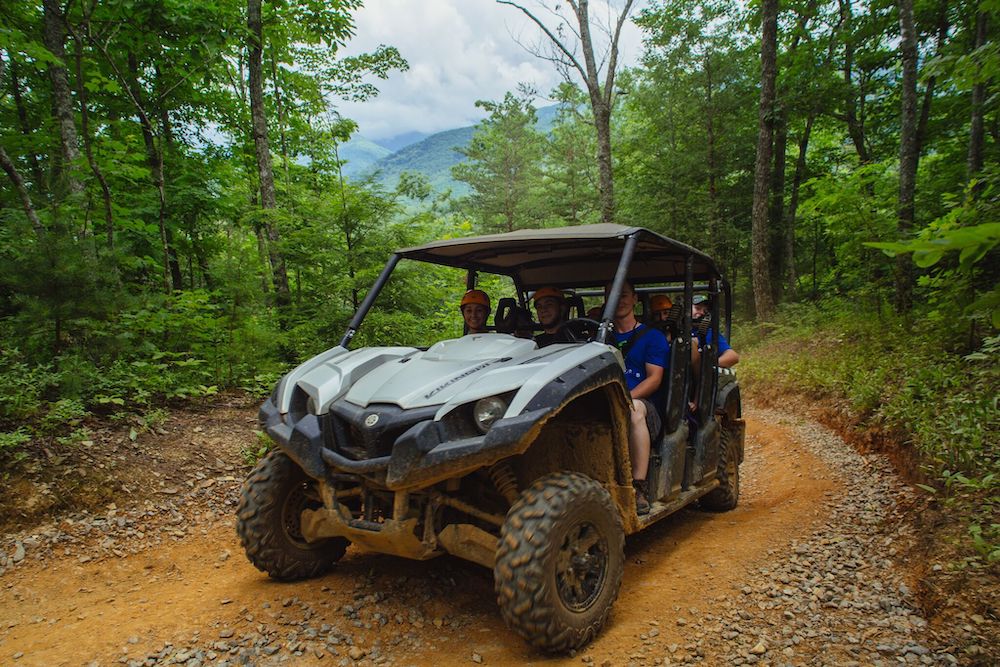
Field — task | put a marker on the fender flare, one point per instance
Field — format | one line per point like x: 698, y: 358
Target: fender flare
x: 423, y: 455
x: 728, y: 400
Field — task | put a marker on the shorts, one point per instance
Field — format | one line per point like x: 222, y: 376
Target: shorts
x: 653, y: 423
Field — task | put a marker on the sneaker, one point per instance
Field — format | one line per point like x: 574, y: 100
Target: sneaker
x: 641, y: 496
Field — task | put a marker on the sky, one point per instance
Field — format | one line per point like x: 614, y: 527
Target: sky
x: 459, y: 51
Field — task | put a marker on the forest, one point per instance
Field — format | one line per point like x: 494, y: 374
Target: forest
x: 175, y: 221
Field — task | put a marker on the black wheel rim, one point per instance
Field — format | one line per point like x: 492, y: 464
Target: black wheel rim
x: 581, y: 566
x: 298, y: 499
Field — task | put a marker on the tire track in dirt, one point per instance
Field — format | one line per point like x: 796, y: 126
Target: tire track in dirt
x: 200, y: 594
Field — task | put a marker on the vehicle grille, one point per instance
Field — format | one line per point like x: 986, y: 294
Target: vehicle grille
x: 350, y: 436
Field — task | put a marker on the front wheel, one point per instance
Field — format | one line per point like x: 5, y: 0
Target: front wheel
x: 560, y: 561
x: 269, y: 521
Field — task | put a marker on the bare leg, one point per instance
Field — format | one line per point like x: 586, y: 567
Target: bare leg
x: 638, y: 441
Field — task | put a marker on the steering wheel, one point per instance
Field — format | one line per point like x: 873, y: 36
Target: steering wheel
x: 578, y: 330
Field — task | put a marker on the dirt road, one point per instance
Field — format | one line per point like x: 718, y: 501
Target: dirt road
x: 142, y: 585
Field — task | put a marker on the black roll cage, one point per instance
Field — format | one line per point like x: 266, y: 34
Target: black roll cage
x: 715, y: 286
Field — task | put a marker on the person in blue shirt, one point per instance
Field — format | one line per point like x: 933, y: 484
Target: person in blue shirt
x: 644, y: 350
x: 728, y: 357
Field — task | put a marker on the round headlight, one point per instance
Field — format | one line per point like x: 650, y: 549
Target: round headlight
x: 488, y: 410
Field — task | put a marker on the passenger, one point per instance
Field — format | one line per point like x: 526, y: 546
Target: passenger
x: 550, y: 306
x: 596, y: 313
x: 700, y: 309
x: 644, y: 350
x: 659, y: 307
x: 475, y: 309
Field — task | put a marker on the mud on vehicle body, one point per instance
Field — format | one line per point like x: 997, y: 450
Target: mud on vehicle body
x: 494, y: 450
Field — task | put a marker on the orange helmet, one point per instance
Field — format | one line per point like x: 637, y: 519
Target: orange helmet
x: 660, y: 302
x: 548, y: 292
x: 475, y: 296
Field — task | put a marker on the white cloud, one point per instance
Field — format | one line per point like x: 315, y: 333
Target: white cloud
x: 459, y: 51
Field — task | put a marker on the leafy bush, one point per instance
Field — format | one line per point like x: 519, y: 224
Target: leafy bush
x: 9, y: 442
x: 66, y: 412
x: 24, y: 385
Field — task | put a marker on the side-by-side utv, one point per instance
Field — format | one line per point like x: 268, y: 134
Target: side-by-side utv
x: 494, y: 450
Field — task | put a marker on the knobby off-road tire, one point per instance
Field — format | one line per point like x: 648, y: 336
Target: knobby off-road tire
x: 560, y: 561
x: 725, y: 497
x: 269, y: 522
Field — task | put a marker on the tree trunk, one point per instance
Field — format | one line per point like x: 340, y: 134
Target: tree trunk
x: 54, y: 37
x: 792, y: 277
x: 713, y: 195
x: 601, y: 94
x: 22, y: 192
x: 167, y: 151
x: 81, y: 93
x: 268, y: 199
x: 600, y: 102
x: 762, y: 178
x: 776, y: 216
x: 974, y: 163
x: 925, y: 108
x: 908, y: 156
x: 22, y: 117
x: 602, y: 124
x: 154, y: 157
x: 855, y: 125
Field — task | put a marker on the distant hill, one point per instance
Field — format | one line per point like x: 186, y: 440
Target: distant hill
x: 401, y: 141
x: 435, y: 155
x: 360, y: 154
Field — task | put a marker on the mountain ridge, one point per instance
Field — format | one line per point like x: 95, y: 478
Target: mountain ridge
x: 433, y: 155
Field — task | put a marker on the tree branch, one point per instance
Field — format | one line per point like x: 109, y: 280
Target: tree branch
x: 555, y: 40
x: 613, y: 59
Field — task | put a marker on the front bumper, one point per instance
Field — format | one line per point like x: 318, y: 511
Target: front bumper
x: 424, y: 454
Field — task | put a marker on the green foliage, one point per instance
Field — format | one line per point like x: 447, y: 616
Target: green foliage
x: 66, y: 412
x: 9, y: 442
x: 502, y: 166
x: 251, y: 454
x: 154, y: 418
x: 24, y: 384
x: 962, y: 230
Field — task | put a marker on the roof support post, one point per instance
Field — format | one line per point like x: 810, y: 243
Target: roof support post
x: 688, y: 291
x: 366, y: 305
x: 616, y: 287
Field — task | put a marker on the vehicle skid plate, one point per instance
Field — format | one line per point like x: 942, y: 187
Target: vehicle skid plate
x: 399, y: 538
x: 392, y: 537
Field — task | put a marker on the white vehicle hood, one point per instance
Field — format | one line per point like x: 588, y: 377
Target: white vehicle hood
x: 449, y: 374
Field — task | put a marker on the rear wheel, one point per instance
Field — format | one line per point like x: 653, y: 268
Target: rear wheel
x: 269, y: 521
x: 560, y: 561
x: 727, y: 494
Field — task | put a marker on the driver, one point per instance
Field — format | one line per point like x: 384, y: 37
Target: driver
x: 551, y: 307
x: 645, y: 351
x: 475, y: 309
